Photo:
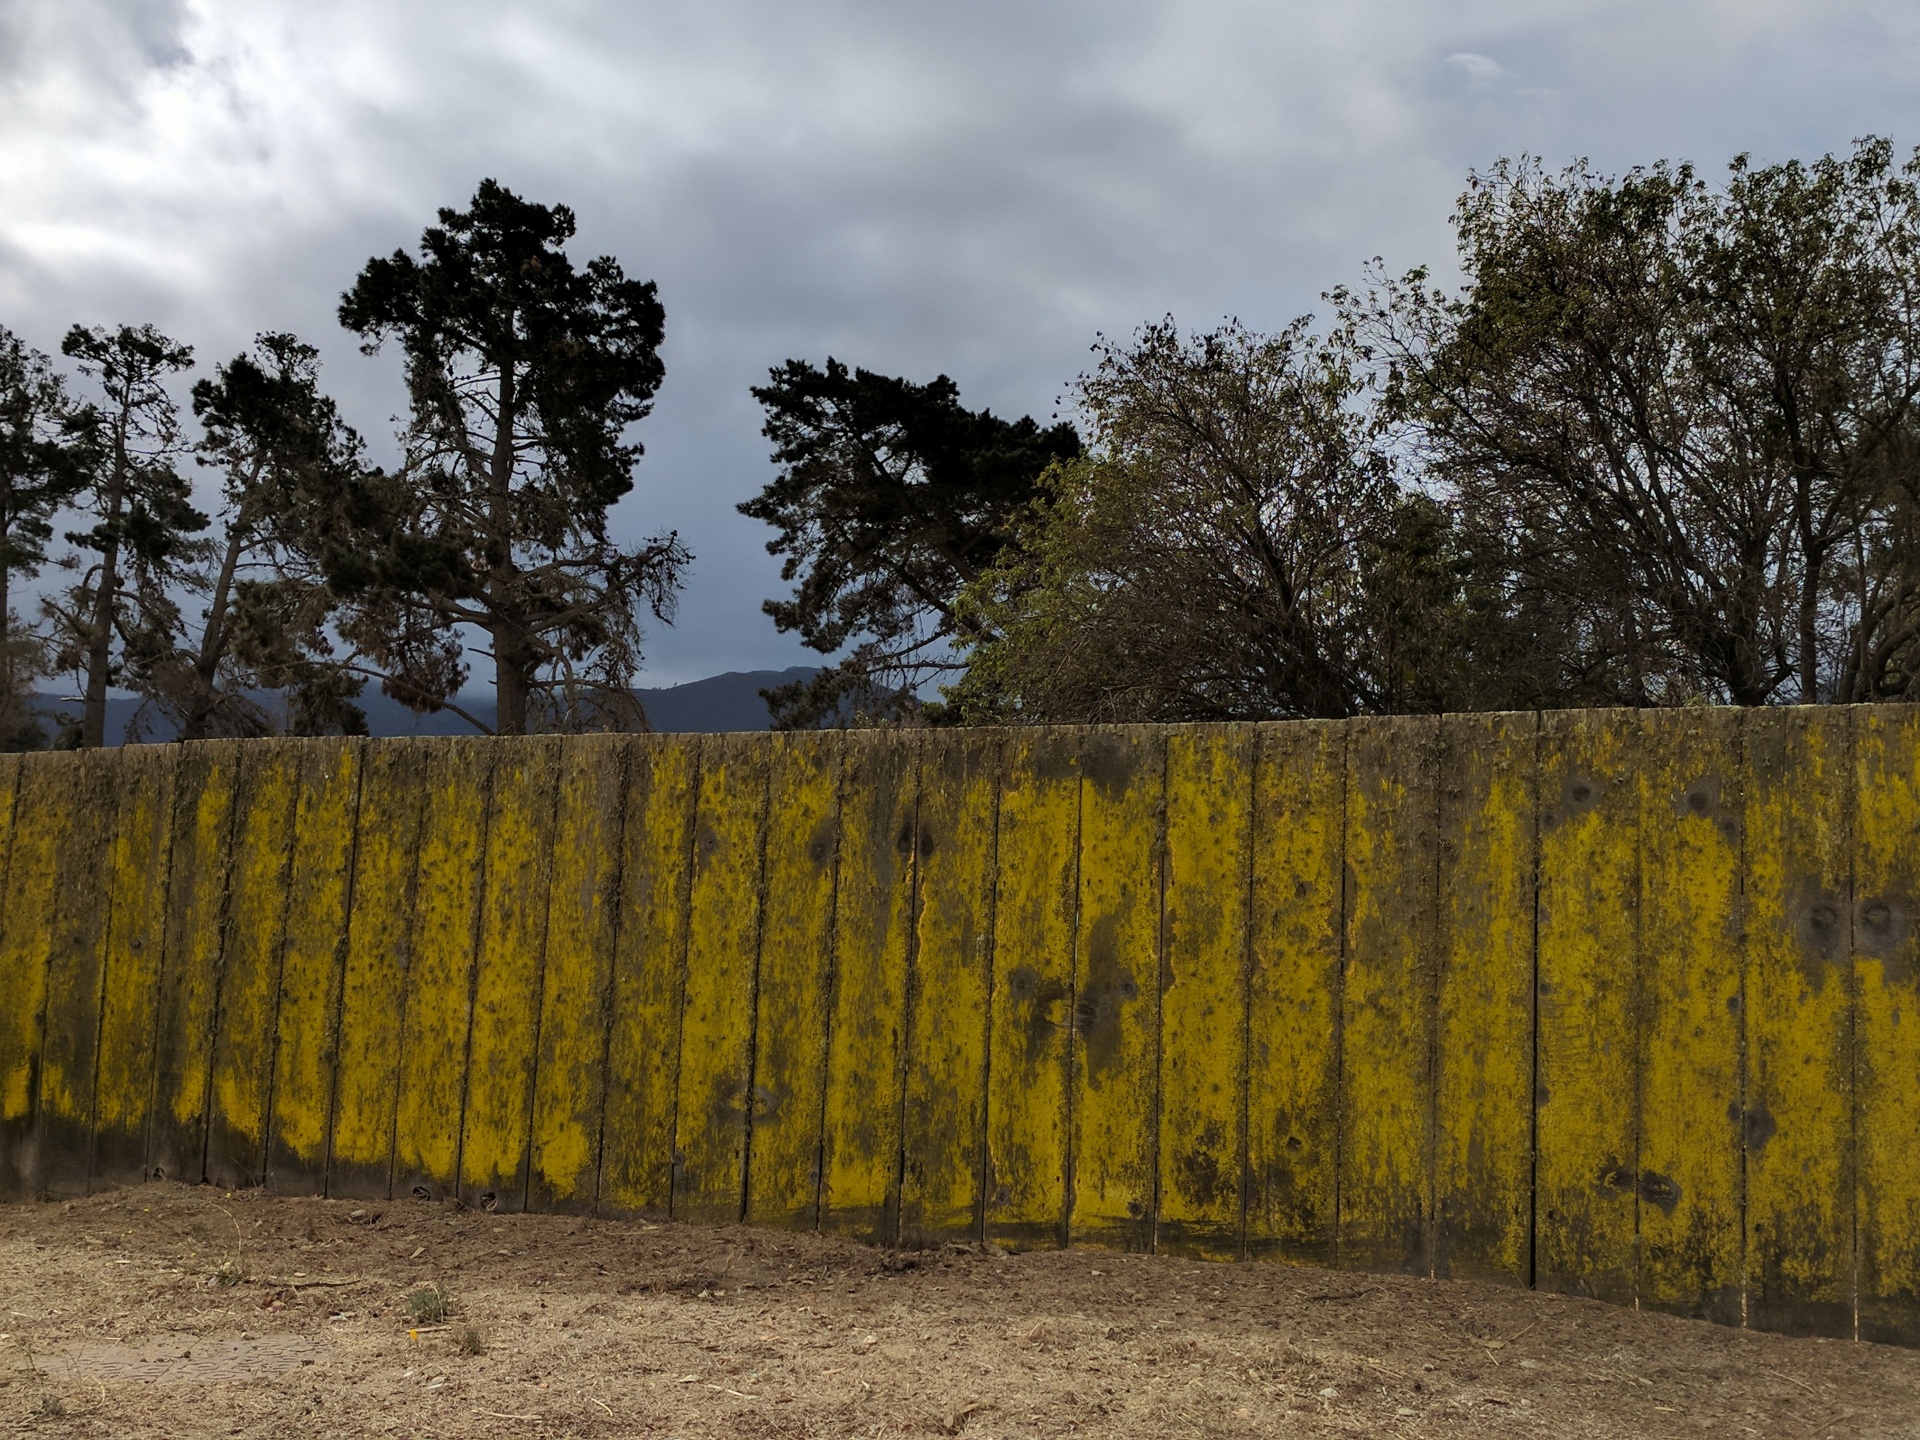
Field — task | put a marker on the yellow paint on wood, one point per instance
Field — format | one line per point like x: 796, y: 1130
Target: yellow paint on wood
x: 433, y: 1045
x: 205, y: 790
x: 136, y: 901
x: 76, y: 968
x: 25, y: 943
x: 319, y: 880
x: 1690, y: 1150
x: 1389, y: 995
x: 507, y: 980
x: 949, y: 993
x: 1203, y: 1005
x: 582, y: 905
x: 1293, y: 1086
x: 796, y: 956
x: 643, y: 1052
x: 373, y: 993
x: 872, y: 927
x: 250, y: 963
x: 1117, y: 983
x: 1036, y: 902
x: 1886, y: 944
x: 723, y: 951
x: 1587, y: 1101
x: 1483, y: 1085
x: 1799, y: 1022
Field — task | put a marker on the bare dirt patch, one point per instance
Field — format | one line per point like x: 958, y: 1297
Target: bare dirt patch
x: 175, y: 1311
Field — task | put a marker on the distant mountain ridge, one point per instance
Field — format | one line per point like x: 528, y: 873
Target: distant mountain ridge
x: 717, y: 704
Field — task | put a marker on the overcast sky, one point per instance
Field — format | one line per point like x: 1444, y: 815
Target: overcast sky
x: 971, y: 188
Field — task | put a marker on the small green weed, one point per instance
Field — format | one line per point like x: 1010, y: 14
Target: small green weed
x: 429, y: 1307
x: 470, y: 1342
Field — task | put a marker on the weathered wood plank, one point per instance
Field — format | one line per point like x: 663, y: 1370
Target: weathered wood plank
x: 1886, y: 947
x: 320, y: 882
x: 1204, y: 978
x: 394, y: 791
x: 136, y: 899
x: 650, y: 954
x: 76, y: 969
x: 1798, y: 1129
x: 433, y: 1044
x: 1388, y: 996
x: 1484, y: 1082
x: 796, y: 960
x: 1115, y: 1107
x: 1293, y: 1083
x: 950, y: 994
x: 246, y: 1021
x: 576, y: 999
x: 723, y: 955
x: 205, y: 791
x: 507, y: 986
x: 873, y: 936
x: 1587, y: 1104
x: 1690, y: 1147
x: 1036, y: 906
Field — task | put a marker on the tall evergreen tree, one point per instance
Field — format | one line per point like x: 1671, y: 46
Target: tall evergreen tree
x: 38, y: 474
x: 892, y: 496
x: 525, y: 373
x: 144, y: 522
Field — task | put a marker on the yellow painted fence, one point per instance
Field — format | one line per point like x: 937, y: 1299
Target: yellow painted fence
x: 1617, y: 1004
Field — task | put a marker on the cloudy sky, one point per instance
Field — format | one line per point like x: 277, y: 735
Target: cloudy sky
x: 971, y: 188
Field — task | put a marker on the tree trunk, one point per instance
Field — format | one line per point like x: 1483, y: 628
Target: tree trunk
x: 510, y: 667
x: 213, y: 641
x: 93, y: 713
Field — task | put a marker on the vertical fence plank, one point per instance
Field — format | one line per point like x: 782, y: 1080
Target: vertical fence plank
x: 796, y: 956
x: 76, y: 967
x: 373, y: 994
x: 1690, y: 1171
x: 433, y: 1044
x: 1587, y: 1117
x: 136, y: 900
x: 582, y: 908
x: 1799, y: 1021
x: 1117, y: 981
x: 1483, y: 1088
x: 246, y: 1016
x: 948, y: 1001
x: 723, y: 953
x: 1293, y: 1060
x: 1029, y: 1053
x: 1886, y: 941
x: 206, y: 789
x: 873, y: 923
x: 1203, y: 1061
x: 643, y: 1052
x: 40, y: 817
x: 319, y: 882
x: 507, y: 987
x: 1388, y: 996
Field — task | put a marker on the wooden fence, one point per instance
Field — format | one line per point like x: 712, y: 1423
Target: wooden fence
x: 1618, y: 1004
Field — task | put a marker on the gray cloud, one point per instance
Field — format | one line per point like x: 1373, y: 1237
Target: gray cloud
x: 976, y: 189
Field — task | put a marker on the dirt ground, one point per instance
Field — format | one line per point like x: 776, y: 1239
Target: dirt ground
x: 174, y: 1311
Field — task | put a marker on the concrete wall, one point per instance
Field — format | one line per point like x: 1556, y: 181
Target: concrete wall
x: 1617, y: 1004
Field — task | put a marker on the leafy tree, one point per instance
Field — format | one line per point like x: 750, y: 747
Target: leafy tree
x: 122, y: 610
x: 1235, y: 546
x: 1680, y: 423
x: 37, y: 476
x: 284, y: 455
x: 524, y: 374
x: 892, y: 497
